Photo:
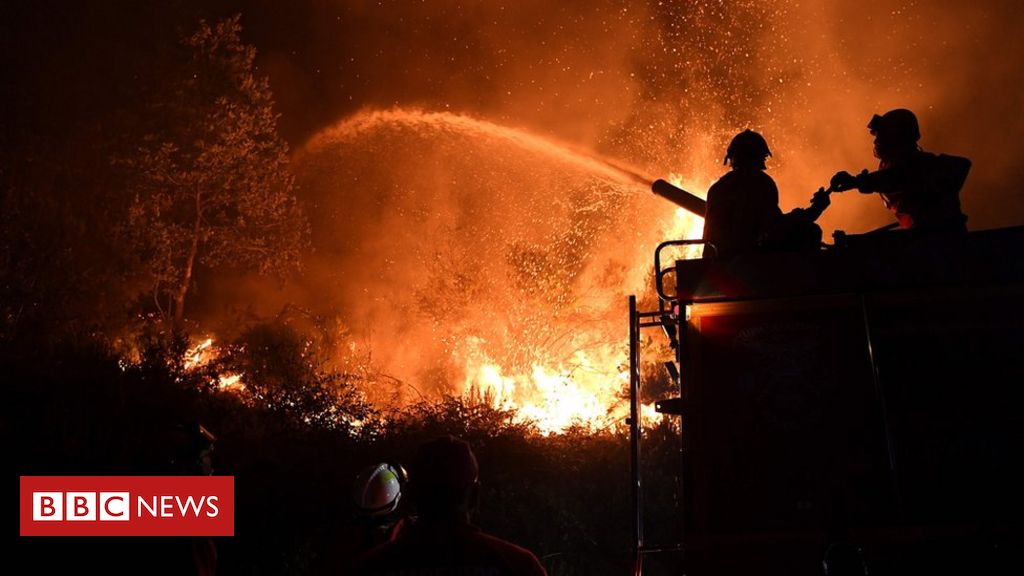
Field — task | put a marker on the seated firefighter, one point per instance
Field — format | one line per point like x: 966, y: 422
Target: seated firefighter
x: 743, y: 214
x: 922, y: 189
x: 444, y: 484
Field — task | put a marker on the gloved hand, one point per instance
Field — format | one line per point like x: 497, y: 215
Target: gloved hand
x: 821, y: 199
x: 843, y: 181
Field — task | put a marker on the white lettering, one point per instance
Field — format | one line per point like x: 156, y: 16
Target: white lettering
x: 80, y: 506
x: 114, y: 506
x: 212, y: 503
x: 190, y: 503
x: 145, y: 504
x: 167, y: 506
x: 47, y: 506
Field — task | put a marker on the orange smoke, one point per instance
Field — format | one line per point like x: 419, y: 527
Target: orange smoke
x: 464, y: 254
x: 482, y: 260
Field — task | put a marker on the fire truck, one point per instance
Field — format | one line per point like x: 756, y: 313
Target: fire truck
x: 863, y: 396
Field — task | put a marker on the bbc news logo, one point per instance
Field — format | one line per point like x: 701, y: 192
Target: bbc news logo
x: 127, y: 506
x: 116, y: 506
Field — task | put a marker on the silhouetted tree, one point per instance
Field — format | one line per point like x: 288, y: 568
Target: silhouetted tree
x: 211, y: 184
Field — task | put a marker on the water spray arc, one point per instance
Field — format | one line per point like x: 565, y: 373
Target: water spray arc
x: 612, y: 170
x: 538, y: 243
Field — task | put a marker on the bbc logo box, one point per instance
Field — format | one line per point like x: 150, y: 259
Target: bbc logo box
x: 127, y: 505
x: 81, y: 506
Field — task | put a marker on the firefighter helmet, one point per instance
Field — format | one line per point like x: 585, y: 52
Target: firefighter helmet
x: 378, y: 489
x: 747, y: 146
x: 899, y: 125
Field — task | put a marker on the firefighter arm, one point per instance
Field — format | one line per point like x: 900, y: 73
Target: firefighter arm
x: 819, y: 202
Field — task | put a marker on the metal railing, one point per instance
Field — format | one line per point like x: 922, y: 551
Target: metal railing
x: 670, y: 318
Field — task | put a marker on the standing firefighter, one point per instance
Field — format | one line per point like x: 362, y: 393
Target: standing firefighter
x: 922, y: 189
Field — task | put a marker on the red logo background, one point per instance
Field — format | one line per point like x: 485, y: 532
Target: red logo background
x: 146, y: 487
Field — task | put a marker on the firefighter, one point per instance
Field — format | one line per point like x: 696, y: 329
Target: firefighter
x: 920, y: 188
x: 743, y: 214
x: 377, y: 493
x: 444, y: 482
x: 378, y: 516
x: 744, y: 202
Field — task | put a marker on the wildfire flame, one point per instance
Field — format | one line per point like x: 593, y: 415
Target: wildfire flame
x: 198, y: 355
x: 202, y: 354
x: 494, y: 263
x: 588, y: 391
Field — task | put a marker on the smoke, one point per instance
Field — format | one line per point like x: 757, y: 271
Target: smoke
x: 947, y: 61
x: 436, y: 238
x: 451, y: 243
x: 810, y: 75
x: 665, y: 84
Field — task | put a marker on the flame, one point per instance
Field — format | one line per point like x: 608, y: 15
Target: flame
x: 230, y: 382
x: 584, y: 392
x: 587, y: 391
x: 198, y: 355
x: 515, y: 294
x: 205, y: 352
x: 686, y: 225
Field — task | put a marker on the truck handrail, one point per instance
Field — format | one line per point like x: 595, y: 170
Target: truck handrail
x: 659, y: 273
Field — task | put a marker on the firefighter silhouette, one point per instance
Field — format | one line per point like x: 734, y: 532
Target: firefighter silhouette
x: 445, y: 485
x: 922, y: 189
x: 743, y: 214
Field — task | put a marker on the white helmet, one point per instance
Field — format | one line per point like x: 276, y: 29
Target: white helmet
x: 378, y: 489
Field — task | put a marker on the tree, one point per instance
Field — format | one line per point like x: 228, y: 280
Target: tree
x: 210, y: 182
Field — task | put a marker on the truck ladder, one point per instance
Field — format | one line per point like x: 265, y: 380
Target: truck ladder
x: 671, y: 318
